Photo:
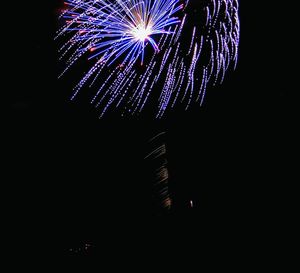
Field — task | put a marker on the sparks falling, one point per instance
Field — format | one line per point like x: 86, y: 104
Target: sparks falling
x: 137, y: 47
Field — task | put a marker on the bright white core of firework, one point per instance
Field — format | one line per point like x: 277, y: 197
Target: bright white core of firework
x: 142, y: 32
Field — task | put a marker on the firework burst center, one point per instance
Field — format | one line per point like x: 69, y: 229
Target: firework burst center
x: 142, y: 32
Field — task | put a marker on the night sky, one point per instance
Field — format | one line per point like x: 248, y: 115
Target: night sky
x: 79, y: 182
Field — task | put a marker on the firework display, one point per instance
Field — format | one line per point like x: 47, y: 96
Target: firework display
x: 140, y: 50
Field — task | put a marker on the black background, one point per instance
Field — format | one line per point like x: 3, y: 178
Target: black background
x: 75, y: 179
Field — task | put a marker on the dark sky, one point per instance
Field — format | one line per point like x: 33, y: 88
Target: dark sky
x: 76, y: 178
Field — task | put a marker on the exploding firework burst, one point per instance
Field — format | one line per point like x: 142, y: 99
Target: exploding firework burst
x: 137, y: 47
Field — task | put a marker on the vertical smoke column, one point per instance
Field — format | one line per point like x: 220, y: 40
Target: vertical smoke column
x: 158, y: 164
